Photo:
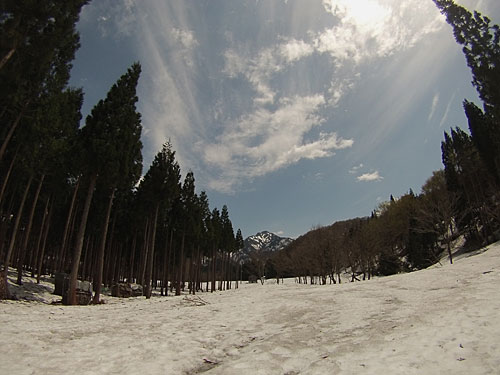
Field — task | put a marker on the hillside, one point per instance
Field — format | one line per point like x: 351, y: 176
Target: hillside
x: 439, y: 320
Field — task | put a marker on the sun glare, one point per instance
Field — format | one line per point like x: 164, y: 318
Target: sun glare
x: 365, y: 14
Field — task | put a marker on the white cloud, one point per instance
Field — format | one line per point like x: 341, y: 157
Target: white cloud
x: 367, y: 29
x: 355, y: 169
x: 278, y: 129
x: 294, y: 50
x: 372, y: 176
x: 375, y: 28
x: 265, y: 141
x: 184, y: 43
x: 258, y: 68
x: 365, y: 177
x: 362, y: 27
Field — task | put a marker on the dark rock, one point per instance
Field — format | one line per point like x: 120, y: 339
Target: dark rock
x: 83, y: 292
x: 126, y: 290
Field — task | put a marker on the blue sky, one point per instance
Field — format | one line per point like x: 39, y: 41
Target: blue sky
x: 294, y: 113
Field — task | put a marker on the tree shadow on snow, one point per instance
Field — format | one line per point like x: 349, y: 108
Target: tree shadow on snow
x: 29, y: 290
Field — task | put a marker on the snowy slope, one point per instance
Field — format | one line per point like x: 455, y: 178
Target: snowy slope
x: 444, y: 320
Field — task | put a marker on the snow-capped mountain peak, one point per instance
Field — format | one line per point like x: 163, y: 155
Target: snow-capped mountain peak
x: 265, y: 242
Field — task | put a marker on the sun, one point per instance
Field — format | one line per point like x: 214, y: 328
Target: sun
x: 368, y: 15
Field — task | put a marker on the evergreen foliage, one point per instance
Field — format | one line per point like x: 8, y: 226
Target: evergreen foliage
x: 481, y: 47
x: 38, y: 41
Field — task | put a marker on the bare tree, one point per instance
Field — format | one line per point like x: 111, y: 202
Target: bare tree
x: 438, y: 213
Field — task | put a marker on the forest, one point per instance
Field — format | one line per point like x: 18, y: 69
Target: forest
x: 74, y: 199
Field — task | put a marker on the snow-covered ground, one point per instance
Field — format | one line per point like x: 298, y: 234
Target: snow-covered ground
x: 443, y: 320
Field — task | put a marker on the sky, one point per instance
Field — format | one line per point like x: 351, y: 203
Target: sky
x: 293, y: 113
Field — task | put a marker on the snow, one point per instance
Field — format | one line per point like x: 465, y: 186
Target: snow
x: 441, y: 320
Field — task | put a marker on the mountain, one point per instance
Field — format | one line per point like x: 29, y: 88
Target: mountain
x: 264, y: 242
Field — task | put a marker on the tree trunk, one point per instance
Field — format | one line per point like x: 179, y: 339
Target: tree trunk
x: 115, y: 277
x: 6, y: 178
x: 223, y: 270
x: 87, y: 258
x: 75, y: 262
x: 238, y: 273
x: 197, y: 270
x: 149, y: 269
x: 181, y: 264
x: 11, y: 132
x: 60, y: 264
x: 214, y: 268
x: 229, y: 270
x: 170, y: 252
x: 450, y: 256
x: 113, y: 258
x: 4, y: 226
x: 34, y: 263
x: 24, y: 246
x: 66, y: 256
x: 16, y: 224
x: 7, y: 57
x: 188, y: 269
x: 144, y: 258
x: 102, y: 247
x: 131, y: 273
x: 164, y: 285
x: 44, y: 242
x: 5, y: 273
x: 208, y: 276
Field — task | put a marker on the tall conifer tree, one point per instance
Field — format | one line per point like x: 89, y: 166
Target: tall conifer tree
x: 157, y: 193
x: 481, y: 47
x: 38, y: 41
x: 111, y: 150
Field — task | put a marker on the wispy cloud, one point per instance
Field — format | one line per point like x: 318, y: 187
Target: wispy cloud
x: 185, y: 38
x: 366, y: 30
x: 265, y: 141
x: 319, y: 176
x: 277, y: 115
x: 447, y: 111
x: 168, y: 88
x: 114, y: 19
x: 435, y: 101
x: 259, y: 68
x: 372, y: 176
x: 355, y: 169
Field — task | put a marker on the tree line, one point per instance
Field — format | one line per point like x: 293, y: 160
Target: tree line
x: 462, y: 199
x: 72, y: 198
